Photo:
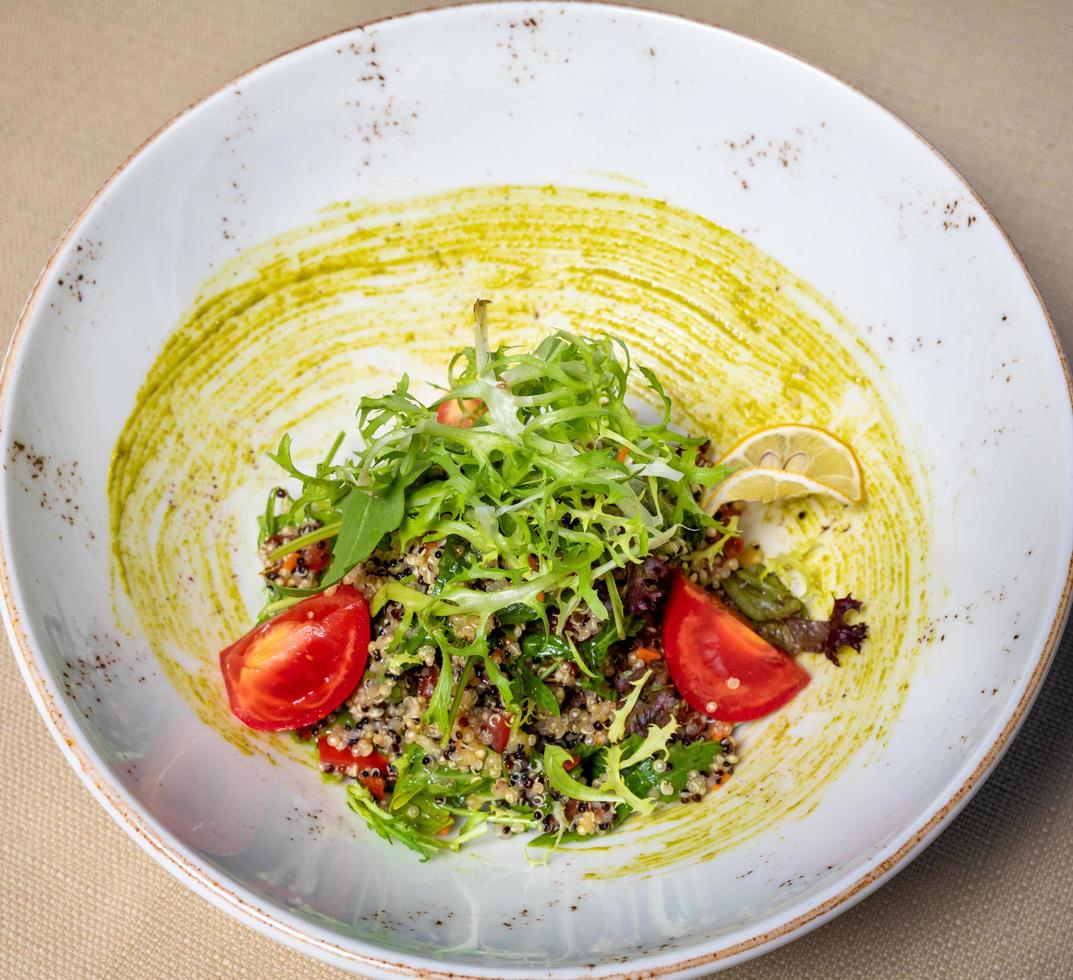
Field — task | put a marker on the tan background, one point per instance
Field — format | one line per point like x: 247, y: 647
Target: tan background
x: 990, y: 84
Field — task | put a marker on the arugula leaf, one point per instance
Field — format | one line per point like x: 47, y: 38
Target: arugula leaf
x: 595, y: 650
x: 282, y: 458
x: 366, y: 518
x: 392, y: 829
x: 268, y: 522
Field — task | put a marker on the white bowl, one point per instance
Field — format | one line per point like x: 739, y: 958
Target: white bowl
x: 960, y: 384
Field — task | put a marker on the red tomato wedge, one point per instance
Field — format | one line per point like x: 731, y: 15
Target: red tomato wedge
x: 342, y: 759
x: 498, y: 728
x: 302, y: 664
x: 716, y: 659
x: 460, y: 412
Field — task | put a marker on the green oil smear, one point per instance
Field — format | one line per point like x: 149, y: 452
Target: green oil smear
x: 288, y: 335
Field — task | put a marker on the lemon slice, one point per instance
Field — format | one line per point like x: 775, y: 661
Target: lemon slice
x: 785, y: 461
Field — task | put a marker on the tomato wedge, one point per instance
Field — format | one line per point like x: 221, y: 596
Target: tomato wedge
x: 460, y: 412
x: 375, y: 763
x: 498, y: 728
x: 718, y: 663
x: 300, y: 665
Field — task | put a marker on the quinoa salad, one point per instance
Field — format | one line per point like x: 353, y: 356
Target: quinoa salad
x: 523, y: 610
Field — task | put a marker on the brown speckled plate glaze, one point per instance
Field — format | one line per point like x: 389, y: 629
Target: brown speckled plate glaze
x: 778, y: 245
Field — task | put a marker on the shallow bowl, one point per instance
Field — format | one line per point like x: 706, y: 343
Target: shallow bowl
x: 782, y: 247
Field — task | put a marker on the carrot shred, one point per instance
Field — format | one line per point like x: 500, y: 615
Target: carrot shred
x: 623, y: 455
x: 374, y: 784
x: 290, y: 561
x: 647, y: 654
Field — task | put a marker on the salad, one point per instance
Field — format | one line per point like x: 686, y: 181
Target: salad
x: 523, y: 609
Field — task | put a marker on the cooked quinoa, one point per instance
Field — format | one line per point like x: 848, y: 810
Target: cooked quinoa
x: 386, y: 714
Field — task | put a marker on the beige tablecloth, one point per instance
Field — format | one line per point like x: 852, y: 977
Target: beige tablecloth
x: 991, y: 84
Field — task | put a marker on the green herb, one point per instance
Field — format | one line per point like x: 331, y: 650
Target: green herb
x: 303, y: 541
x: 681, y: 759
x: 594, y: 652
x: 725, y: 533
x: 537, y: 646
x: 537, y: 692
x: 416, y: 779
x: 655, y: 741
x: 516, y: 614
x: 405, y: 652
x: 431, y: 809
x: 320, y: 490
x: 628, y: 773
x: 615, y: 600
x: 454, y: 560
x: 609, y: 782
x: 365, y: 519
